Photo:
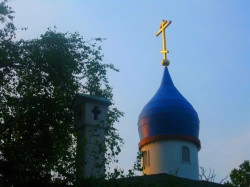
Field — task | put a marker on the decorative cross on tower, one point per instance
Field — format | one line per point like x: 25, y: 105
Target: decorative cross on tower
x: 163, y: 26
x: 96, y: 112
x: 89, y: 109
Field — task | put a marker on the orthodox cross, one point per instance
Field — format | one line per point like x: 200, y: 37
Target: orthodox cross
x: 163, y: 26
x: 96, y: 112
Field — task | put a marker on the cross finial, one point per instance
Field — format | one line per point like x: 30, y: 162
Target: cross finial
x: 163, y: 26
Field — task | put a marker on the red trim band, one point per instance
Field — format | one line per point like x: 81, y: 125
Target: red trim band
x: 152, y: 139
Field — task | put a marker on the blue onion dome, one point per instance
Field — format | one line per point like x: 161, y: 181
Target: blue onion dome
x: 168, y: 116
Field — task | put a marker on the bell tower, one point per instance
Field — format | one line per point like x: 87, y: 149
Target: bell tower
x: 90, y: 123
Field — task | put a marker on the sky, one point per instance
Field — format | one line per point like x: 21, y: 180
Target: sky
x: 209, y: 46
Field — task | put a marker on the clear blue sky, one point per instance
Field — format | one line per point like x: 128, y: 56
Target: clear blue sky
x: 209, y: 46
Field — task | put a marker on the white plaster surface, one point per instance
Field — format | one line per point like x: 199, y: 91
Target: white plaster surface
x: 166, y: 157
x: 90, y: 134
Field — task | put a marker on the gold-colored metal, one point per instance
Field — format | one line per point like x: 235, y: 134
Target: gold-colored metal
x: 163, y: 26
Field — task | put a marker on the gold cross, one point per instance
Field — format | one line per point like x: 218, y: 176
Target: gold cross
x: 163, y: 26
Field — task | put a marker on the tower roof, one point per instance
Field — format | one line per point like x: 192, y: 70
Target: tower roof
x: 168, y: 115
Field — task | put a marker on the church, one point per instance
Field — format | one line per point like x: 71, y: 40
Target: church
x: 168, y: 128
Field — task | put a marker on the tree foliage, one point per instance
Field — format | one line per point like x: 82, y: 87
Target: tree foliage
x: 241, y: 177
x: 38, y: 80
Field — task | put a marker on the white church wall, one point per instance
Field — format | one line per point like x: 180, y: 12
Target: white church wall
x: 166, y: 157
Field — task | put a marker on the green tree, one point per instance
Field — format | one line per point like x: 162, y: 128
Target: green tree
x: 241, y: 177
x: 38, y: 80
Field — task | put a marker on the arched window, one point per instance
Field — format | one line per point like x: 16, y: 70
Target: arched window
x: 145, y: 159
x: 185, y: 154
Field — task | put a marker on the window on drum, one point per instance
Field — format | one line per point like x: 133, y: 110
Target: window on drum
x: 185, y: 154
x: 145, y: 159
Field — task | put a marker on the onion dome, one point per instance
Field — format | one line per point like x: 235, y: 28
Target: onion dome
x: 168, y: 116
